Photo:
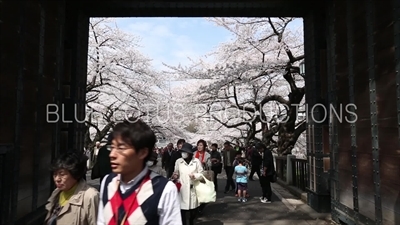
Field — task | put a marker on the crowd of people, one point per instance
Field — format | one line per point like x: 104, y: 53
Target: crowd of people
x: 135, y: 189
x: 241, y: 163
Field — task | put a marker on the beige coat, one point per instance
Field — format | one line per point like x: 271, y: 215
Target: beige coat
x: 81, y: 209
x: 188, y: 197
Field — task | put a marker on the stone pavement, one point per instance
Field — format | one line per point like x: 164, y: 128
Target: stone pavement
x: 285, y: 209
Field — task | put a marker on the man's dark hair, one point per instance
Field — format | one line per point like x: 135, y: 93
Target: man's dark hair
x: 240, y: 160
x: 260, y: 146
x: 73, y: 162
x: 137, y: 134
x: 214, y: 145
x: 180, y: 141
x: 227, y: 143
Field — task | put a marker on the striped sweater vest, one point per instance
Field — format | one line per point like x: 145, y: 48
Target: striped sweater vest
x: 144, y: 208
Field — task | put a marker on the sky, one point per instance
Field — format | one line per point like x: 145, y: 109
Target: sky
x: 173, y: 40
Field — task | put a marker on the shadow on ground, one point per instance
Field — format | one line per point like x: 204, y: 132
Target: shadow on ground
x: 228, y: 208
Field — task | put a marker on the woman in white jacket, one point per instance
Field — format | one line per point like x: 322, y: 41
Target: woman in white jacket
x: 187, y: 170
x: 205, y: 159
x: 202, y: 154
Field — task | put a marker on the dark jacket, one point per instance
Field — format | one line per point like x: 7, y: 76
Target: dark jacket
x: 171, y: 166
x: 216, y: 167
x: 256, y: 158
x: 268, y: 161
x: 166, y: 158
x: 103, y: 159
x: 232, y: 154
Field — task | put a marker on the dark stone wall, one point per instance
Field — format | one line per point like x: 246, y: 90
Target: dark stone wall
x: 42, y: 61
x: 316, y: 99
x: 29, y: 75
x: 362, y: 62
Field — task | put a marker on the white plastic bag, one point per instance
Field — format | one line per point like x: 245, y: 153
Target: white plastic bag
x: 205, y: 191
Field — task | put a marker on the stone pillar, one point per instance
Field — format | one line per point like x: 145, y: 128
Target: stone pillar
x: 289, y: 169
x: 316, y: 42
x: 275, y: 155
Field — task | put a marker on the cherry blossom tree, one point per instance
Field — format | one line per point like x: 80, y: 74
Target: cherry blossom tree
x: 120, y: 83
x: 252, y: 84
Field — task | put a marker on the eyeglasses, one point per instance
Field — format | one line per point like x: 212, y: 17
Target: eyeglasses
x: 119, y: 148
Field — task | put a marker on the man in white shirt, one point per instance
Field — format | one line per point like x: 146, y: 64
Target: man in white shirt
x: 133, y: 193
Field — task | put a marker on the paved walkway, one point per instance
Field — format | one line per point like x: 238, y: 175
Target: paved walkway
x: 285, y: 209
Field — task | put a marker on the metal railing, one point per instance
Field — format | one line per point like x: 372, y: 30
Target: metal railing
x: 299, y: 173
x: 281, y: 165
x: 298, y: 168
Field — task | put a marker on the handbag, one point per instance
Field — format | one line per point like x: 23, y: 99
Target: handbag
x: 218, y: 168
x: 208, y: 173
x: 205, y: 192
x: 274, y: 177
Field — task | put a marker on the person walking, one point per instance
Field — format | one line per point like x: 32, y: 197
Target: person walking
x: 187, y: 170
x: 241, y: 180
x: 216, y: 164
x: 166, y: 158
x: 205, y: 159
x: 267, y: 171
x: 256, y: 161
x: 73, y: 201
x: 103, y: 158
x: 176, y: 154
x: 228, y: 158
x: 132, y: 193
